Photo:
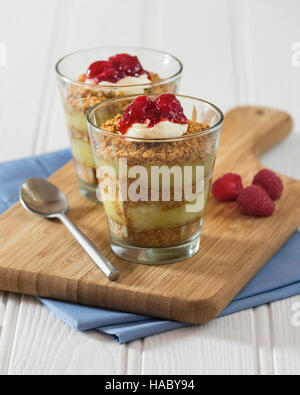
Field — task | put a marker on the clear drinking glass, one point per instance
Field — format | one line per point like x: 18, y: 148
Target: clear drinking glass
x: 78, y: 97
x: 147, y: 223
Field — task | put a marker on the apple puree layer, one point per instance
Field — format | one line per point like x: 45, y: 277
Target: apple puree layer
x: 76, y: 120
x: 80, y: 146
x: 82, y: 152
x: 148, y: 216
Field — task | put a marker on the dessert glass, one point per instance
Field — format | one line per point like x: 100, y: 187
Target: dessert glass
x: 160, y: 229
x: 78, y: 97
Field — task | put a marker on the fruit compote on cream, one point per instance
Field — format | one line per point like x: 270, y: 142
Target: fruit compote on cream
x: 153, y: 133
x: 119, y: 70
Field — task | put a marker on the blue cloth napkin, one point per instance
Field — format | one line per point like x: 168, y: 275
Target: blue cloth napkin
x: 279, y: 279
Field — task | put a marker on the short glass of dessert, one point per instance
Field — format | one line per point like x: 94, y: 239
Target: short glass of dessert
x: 92, y: 76
x: 155, y: 157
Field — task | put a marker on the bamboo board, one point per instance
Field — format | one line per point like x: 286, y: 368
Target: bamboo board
x: 40, y: 257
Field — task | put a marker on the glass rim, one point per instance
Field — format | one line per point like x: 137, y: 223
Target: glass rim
x: 210, y: 130
x: 111, y: 86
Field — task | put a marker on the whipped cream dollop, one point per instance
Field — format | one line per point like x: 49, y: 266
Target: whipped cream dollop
x: 129, y: 90
x: 161, y: 130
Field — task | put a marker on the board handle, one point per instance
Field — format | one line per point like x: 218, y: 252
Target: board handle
x: 250, y: 131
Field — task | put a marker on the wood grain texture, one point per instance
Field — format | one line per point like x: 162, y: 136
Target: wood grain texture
x: 40, y: 258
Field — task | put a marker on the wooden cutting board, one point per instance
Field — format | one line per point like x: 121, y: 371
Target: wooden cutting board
x: 40, y: 257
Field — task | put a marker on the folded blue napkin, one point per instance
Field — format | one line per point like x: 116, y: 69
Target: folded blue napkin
x: 279, y: 279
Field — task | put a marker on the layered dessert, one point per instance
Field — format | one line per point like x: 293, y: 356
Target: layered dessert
x: 119, y: 75
x: 153, y: 132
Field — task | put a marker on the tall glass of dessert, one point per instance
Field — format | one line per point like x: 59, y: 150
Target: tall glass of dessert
x: 92, y: 76
x: 155, y: 156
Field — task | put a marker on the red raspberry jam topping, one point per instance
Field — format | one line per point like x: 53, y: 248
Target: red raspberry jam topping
x: 144, y: 110
x: 170, y: 109
x: 102, y: 71
x: 115, y: 68
x: 128, y: 65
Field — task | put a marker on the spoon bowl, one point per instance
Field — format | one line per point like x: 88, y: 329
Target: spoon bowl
x: 43, y: 198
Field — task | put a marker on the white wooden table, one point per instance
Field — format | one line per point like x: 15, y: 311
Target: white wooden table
x: 235, y: 52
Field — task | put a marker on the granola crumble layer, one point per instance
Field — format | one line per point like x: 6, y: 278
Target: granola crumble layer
x: 180, y: 151
x: 86, y: 173
x: 82, y: 98
x: 157, y: 237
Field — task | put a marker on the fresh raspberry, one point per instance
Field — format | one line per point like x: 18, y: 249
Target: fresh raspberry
x: 270, y: 182
x: 227, y: 188
x: 255, y: 201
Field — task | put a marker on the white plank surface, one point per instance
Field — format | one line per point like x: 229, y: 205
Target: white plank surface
x: 44, y: 345
x: 26, y: 29
x: 286, y: 338
x: 273, y: 28
x: 8, y: 330
x: 190, y: 33
x: 207, y: 349
x: 263, y: 338
x: 235, y: 52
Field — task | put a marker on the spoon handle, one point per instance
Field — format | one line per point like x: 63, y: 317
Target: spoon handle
x: 101, y: 261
